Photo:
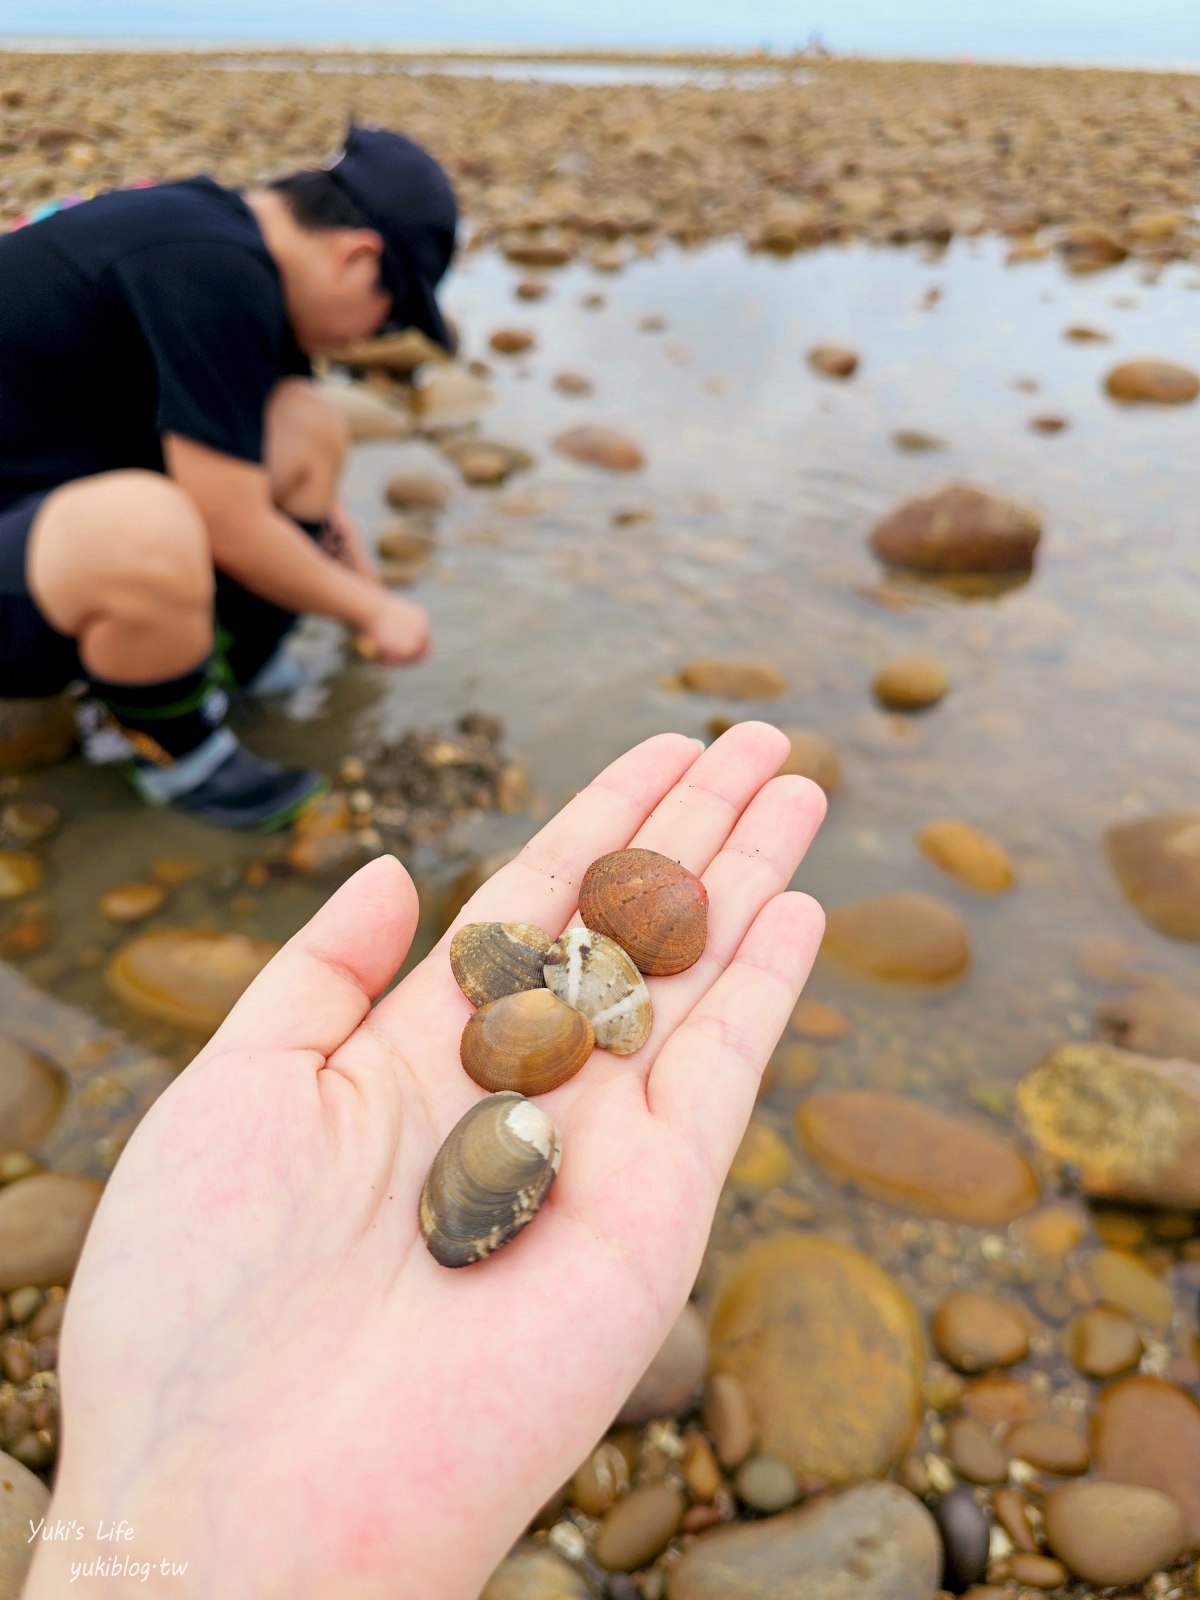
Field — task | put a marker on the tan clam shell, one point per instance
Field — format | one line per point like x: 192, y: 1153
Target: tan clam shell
x: 487, y: 1181
x: 654, y: 908
x: 491, y: 959
x: 530, y: 1042
x: 591, y: 972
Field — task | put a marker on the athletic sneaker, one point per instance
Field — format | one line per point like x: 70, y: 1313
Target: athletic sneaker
x: 224, y: 783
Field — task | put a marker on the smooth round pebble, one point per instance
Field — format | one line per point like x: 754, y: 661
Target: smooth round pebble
x: 1109, y: 1533
x: 973, y: 1453
x: 766, y: 1484
x: 131, y: 902
x: 1039, y: 1572
x: 1102, y: 1342
x: 975, y: 1332
x: 675, y: 1374
x: 639, y: 1527
x: 728, y: 1417
x: 1049, y: 1446
x: 911, y: 683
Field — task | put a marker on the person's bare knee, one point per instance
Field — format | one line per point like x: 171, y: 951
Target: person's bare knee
x: 121, y: 562
x: 307, y: 443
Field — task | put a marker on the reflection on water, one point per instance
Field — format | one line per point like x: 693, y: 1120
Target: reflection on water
x: 1075, y: 700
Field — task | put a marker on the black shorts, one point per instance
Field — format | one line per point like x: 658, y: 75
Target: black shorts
x: 35, y: 659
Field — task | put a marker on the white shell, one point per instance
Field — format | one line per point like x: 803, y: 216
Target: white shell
x: 591, y: 972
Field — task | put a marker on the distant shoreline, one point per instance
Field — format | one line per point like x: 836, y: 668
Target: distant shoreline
x: 37, y: 44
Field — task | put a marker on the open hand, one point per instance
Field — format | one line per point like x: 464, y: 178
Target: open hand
x: 264, y: 1371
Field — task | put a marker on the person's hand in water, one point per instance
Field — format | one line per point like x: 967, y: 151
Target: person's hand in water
x: 265, y: 1373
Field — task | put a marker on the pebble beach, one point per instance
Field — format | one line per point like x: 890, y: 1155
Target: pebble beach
x: 858, y: 396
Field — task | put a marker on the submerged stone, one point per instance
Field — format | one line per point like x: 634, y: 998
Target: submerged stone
x: 959, y: 529
x: 1156, y: 861
x: 829, y: 1351
x: 916, y: 1157
x: 188, y: 978
x: 903, y: 937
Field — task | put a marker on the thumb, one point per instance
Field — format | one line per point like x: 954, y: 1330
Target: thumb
x: 316, y: 991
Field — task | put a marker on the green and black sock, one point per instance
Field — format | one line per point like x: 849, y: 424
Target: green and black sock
x: 176, y: 715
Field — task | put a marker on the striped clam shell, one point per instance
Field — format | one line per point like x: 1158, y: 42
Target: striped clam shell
x: 593, y: 974
x: 488, y: 1179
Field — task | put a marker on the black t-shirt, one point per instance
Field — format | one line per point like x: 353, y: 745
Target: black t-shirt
x: 139, y: 313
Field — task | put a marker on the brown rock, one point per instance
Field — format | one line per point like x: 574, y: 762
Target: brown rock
x: 532, y: 289
x: 452, y: 398
x: 1147, y: 1431
x: 1080, y: 333
x: 1154, y: 1020
x: 1109, y: 1533
x: 23, y: 1502
x: 35, y: 733
x: 911, y: 683
x: 763, y: 1158
x: 601, y: 1478
x: 538, y: 253
x: 534, y: 1572
x: 1157, y: 864
x: 973, y: 1453
x: 1122, y: 1279
x: 975, y: 1332
x: 675, y: 1374
x: 874, y: 1542
x: 1049, y: 423
x: 1002, y: 1398
x: 397, y: 353
x: 43, y: 1221
x: 1049, y: 1446
x: 833, y: 360
x: 132, y: 902
x: 1156, y: 382
x: 812, y: 1019
x: 959, y: 529
x: 188, y: 978
x: 31, y: 1096
x: 1039, y: 1572
x: 417, y: 491
x: 1012, y: 1513
x: 815, y: 756
x: 1088, y: 248
x: 512, y: 341
x: 20, y: 873
x: 829, y: 1350
x: 904, y: 937
x: 28, y: 821
x: 700, y: 1468
x: 916, y: 1157
x: 1126, y: 1126
x: 1053, y: 1232
x: 573, y: 383
x: 914, y: 442
x: 967, y: 854
x: 1102, y: 1342
x: 728, y: 1417
x: 639, y: 1526
x: 600, y: 447
x: 735, y: 680
x: 406, y: 541
x: 483, y: 464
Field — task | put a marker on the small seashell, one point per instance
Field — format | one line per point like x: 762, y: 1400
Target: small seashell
x: 654, y: 908
x: 591, y: 972
x: 488, y: 1179
x: 530, y: 1042
x: 491, y: 959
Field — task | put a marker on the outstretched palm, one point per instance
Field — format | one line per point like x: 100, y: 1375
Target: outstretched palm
x: 265, y: 1372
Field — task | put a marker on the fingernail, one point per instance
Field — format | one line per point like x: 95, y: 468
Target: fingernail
x: 700, y: 744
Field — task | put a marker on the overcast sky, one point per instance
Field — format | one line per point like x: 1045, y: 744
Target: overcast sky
x: 1111, y: 31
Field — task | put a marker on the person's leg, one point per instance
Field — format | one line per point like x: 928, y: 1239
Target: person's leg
x: 121, y: 564
x: 307, y: 443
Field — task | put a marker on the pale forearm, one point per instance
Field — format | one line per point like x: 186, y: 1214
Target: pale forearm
x: 269, y: 555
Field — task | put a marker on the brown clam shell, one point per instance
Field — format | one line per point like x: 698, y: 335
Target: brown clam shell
x: 491, y: 959
x: 530, y: 1042
x: 488, y: 1179
x: 654, y: 908
x: 591, y: 972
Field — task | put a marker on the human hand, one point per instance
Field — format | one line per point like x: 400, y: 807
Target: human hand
x: 265, y: 1372
x: 394, y: 630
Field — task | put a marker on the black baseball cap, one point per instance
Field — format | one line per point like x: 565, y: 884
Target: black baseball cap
x: 406, y: 197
